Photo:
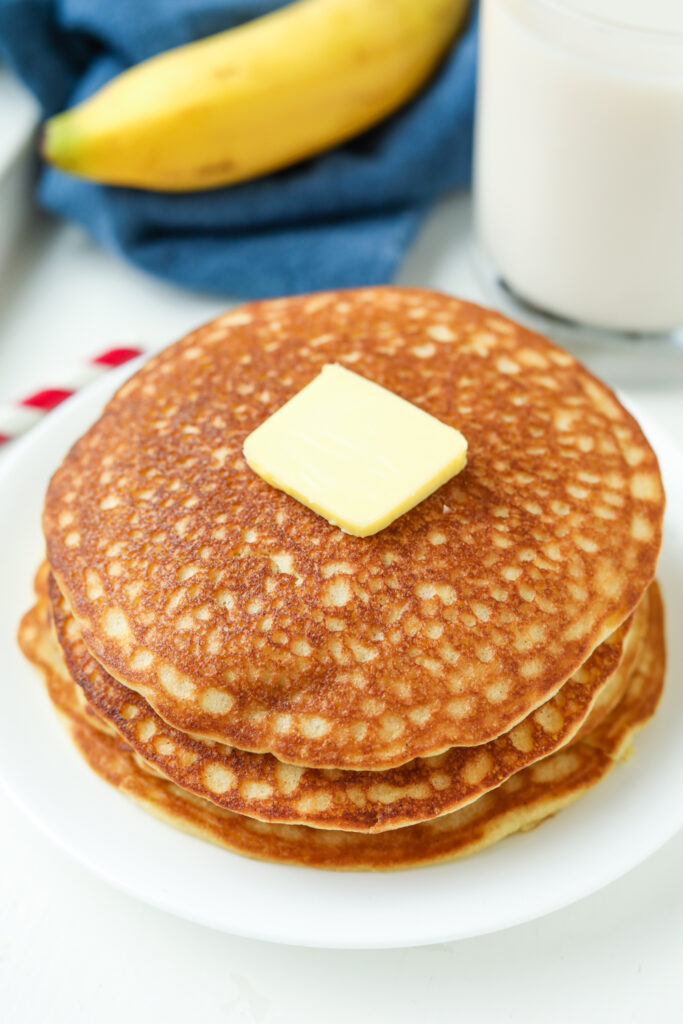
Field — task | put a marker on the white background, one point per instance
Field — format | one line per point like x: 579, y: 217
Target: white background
x: 72, y: 949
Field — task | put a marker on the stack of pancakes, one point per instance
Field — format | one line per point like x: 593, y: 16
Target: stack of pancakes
x: 254, y: 675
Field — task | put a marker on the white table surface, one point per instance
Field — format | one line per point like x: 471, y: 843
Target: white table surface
x: 73, y: 950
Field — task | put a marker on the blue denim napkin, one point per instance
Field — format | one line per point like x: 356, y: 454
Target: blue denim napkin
x: 341, y: 219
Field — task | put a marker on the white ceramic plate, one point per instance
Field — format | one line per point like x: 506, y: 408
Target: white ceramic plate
x: 606, y: 833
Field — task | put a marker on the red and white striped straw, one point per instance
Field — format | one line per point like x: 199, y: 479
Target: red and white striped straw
x: 18, y: 417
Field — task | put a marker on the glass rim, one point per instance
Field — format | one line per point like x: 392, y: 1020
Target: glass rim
x: 588, y: 18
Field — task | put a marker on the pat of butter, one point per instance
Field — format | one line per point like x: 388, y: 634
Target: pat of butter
x: 354, y: 452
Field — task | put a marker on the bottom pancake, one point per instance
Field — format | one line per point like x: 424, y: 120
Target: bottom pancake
x: 518, y: 805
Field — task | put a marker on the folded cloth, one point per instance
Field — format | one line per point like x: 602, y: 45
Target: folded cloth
x: 343, y: 218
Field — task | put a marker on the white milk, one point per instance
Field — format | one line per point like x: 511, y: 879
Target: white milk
x: 579, y: 157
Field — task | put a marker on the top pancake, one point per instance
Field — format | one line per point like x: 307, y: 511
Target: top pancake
x: 241, y: 615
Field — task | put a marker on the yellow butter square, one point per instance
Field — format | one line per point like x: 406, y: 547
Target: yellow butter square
x: 354, y: 452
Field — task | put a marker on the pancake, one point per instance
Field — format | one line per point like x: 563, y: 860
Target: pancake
x: 519, y: 804
x: 260, y: 786
x: 614, y: 689
x: 243, y: 617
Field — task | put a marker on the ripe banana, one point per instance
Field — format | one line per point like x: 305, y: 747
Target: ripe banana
x: 254, y: 98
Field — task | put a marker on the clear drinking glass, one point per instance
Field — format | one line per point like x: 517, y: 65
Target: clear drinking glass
x: 579, y: 164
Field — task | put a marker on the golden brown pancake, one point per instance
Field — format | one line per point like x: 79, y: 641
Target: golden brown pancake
x: 519, y: 804
x: 614, y: 689
x: 261, y: 786
x: 241, y: 616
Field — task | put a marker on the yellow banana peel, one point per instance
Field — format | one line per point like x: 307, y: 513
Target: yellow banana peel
x: 255, y: 98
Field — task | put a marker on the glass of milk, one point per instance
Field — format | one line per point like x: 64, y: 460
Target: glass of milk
x: 579, y: 159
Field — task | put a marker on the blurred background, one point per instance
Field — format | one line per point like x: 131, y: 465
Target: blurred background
x: 160, y: 161
x: 85, y: 264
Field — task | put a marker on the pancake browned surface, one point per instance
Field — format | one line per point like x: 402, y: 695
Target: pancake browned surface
x: 520, y: 803
x: 242, y: 616
x: 261, y: 786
